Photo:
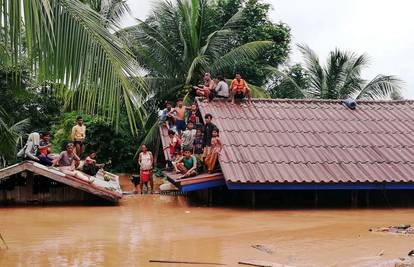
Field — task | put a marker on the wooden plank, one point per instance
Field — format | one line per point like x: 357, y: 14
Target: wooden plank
x: 11, y: 170
x: 164, y: 140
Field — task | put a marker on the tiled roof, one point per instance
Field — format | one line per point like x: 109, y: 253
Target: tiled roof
x: 315, y: 141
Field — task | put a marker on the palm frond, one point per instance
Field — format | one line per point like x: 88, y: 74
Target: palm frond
x: 381, y: 87
x: 69, y: 44
x: 316, y: 73
x: 247, y: 51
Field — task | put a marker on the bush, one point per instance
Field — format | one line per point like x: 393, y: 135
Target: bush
x: 101, y: 137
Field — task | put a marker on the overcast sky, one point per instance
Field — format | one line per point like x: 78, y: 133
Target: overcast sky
x: 382, y: 29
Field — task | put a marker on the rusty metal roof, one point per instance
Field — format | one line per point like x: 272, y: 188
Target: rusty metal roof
x: 315, y: 141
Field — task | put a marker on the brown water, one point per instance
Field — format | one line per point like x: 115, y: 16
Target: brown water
x: 165, y: 227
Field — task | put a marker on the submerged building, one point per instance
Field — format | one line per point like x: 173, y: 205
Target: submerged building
x: 30, y: 182
x: 312, y: 146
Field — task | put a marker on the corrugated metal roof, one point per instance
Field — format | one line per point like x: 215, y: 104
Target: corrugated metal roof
x: 315, y: 141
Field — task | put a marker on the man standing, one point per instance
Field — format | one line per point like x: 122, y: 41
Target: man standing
x: 79, y: 135
x: 240, y: 89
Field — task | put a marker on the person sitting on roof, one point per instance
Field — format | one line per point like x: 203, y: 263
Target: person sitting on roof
x: 30, y: 149
x: 239, y: 89
x: 222, y: 88
x: 67, y: 161
x: 212, y: 156
x: 187, y: 165
x: 45, y: 158
x: 90, y: 166
x: 206, y: 90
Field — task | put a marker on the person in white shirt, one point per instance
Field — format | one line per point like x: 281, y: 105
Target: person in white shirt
x: 222, y: 88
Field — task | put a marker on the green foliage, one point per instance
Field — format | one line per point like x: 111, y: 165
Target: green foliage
x: 67, y: 43
x: 255, y: 26
x: 10, y: 133
x: 181, y: 40
x: 289, y: 83
x: 119, y: 147
x: 341, y: 77
x: 24, y: 100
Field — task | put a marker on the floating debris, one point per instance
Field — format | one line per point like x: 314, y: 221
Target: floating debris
x: 260, y: 263
x: 399, y: 229
x: 186, y: 262
x: 263, y: 248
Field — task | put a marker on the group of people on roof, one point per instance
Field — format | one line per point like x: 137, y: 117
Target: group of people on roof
x: 194, y: 144
x: 38, y: 148
x: 219, y: 88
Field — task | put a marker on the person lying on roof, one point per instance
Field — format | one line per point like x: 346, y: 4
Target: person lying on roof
x: 90, y: 166
x: 239, y: 89
x: 186, y: 165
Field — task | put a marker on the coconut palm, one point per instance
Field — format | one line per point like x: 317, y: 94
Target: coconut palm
x: 341, y: 77
x: 10, y: 133
x: 70, y: 44
x: 179, y: 42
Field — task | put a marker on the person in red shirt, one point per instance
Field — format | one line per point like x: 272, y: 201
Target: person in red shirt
x: 239, y: 89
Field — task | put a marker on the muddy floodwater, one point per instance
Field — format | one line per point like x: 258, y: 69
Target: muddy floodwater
x: 166, y: 228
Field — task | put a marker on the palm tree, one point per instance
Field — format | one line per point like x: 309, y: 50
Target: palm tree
x: 341, y: 77
x: 71, y: 45
x: 179, y: 42
x: 10, y: 133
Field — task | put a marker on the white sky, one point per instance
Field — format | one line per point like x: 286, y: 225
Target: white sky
x: 382, y: 29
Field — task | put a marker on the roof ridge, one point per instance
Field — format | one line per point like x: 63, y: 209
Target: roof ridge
x: 314, y: 100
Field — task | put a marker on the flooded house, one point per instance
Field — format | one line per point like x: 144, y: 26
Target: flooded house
x: 310, y: 152
x: 30, y: 182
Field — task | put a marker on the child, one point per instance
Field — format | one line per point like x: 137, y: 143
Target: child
x: 216, y: 146
x: 179, y: 111
x: 166, y: 119
x: 187, y: 165
x: 188, y: 136
x: 145, y: 161
x: 207, y: 132
x: 198, y: 144
x: 173, y: 147
x: 79, y: 135
x: 44, y: 150
x: 193, y: 115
